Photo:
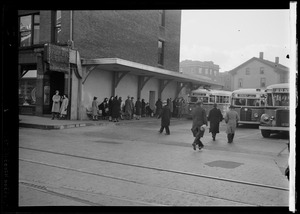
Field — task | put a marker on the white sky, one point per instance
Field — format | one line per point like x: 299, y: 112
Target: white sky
x: 231, y: 37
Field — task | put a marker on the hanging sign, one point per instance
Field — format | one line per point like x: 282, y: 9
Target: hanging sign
x: 57, y: 57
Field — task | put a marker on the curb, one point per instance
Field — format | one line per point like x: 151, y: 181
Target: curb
x: 68, y: 126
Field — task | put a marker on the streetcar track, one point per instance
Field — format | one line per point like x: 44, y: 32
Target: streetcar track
x: 164, y: 170
x: 137, y: 182
x: 46, y: 190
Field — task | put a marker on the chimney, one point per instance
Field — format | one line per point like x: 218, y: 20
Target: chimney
x: 277, y: 60
x: 261, y: 55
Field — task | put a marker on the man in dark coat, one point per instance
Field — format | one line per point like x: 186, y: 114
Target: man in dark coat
x: 199, y: 123
x: 159, y: 106
x: 143, y: 108
x: 214, y: 117
x: 138, y: 108
x: 115, y: 114
x: 165, y: 116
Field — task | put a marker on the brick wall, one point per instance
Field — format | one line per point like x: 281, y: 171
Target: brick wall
x: 130, y: 35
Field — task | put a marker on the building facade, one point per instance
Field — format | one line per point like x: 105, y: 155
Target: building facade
x: 225, y: 78
x: 98, y: 53
x: 259, y: 73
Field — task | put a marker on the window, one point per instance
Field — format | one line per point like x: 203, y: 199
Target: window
x: 57, y: 26
x: 206, y: 71
x: 240, y: 83
x: 210, y: 71
x: 262, y: 70
x: 200, y: 70
x: 29, y: 32
x: 247, y: 71
x: 162, y: 16
x: 27, y: 88
x: 160, y: 52
x: 215, y: 72
x: 263, y: 82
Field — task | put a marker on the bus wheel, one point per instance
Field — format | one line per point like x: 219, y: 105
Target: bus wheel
x: 265, y: 133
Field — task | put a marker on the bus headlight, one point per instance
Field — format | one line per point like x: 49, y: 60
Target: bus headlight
x: 255, y: 115
x: 265, y: 117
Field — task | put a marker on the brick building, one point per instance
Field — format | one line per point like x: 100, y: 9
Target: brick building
x: 99, y: 53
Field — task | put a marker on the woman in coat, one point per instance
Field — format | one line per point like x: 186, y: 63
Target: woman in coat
x: 165, y: 116
x: 95, y: 109
x: 143, y: 108
x: 64, y: 106
x: 231, y: 119
x: 115, y: 111
x: 215, y: 117
x: 110, y: 105
x: 55, y: 105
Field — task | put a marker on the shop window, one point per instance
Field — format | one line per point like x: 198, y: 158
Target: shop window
x: 29, y: 31
x: 27, y: 88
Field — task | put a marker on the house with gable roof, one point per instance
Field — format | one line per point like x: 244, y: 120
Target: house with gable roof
x: 258, y: 73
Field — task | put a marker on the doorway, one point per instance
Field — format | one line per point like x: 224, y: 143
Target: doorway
x: 56, y: 82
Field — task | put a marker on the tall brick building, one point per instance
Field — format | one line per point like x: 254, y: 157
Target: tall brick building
x: 98, y: 53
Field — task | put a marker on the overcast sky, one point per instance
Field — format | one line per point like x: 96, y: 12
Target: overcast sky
x: 231, y: 37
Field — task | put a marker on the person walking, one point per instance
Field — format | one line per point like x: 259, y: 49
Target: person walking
x: 165, y: 116
x: 95, y: 109
x: 214, y: 117
x: 64, y: 107
x: 159, y: 107
x: 128, y: 108
x: 231, y: 119
x: 55, y: 105
x: 138, y: 108
x: 199, y: 124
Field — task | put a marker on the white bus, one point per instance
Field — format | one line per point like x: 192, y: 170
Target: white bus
x: 208, y: 98
x: 249, y: 104
x: 276, y: 115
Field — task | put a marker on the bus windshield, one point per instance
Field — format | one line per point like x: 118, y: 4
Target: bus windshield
x: 281, y: 99
x: 193, y: 99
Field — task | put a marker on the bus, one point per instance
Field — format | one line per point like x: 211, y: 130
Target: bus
x: 249, y: 104
x: 276, y: 116
x: 208, y: 98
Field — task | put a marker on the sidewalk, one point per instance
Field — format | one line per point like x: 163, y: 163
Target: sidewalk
x: 28, y: 121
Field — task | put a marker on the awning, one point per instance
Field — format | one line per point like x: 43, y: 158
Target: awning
x: 120, y: 65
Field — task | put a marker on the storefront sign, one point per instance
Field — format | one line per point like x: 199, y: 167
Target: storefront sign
x: 57, y: 57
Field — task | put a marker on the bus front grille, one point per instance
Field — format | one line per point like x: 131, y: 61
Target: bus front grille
x: 245, y: 114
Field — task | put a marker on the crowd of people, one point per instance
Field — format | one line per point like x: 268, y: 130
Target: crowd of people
x: 115, y: 109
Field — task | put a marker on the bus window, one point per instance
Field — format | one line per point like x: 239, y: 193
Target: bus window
x: 193, y: 99
x: 217, y: 99
x: 285, y: 101
x: 212, y: 98
x: 205, y: 100
x: 226, y: 100
x: 253, y: 102
x: 269, y: 100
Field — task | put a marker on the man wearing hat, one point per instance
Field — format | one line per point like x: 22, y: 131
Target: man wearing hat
x: 231, y: 119
x: 165, y: 116
x: 199, y: 124
x: 214, y: 117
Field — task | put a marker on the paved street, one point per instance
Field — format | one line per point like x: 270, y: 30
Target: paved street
x: 130, y: 164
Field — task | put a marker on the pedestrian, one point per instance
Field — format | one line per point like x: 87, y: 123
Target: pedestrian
x: 175, y: 108
x: 110, y: 105
x: 143, y: 108
x: 165, y: 118
x: 115, y: 110
x: 128, y: 108
x: 138, y: 108
x: 214, y: 117
x: 55, y: 105
x: 95, y: 109
x: 104, y: 108
x: 199, y: 124
x: 231, y: 119
x: 171, y: 106
x: 64, y: 106
x: 132, y: 108
x: 159, y: 107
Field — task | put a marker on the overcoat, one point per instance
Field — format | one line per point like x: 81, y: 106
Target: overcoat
x: 214, y: 117
x: 94, y: 108
x: 128, y: 107
x: 104, y: 108
x: 165, y: 116
x: 231, y: 119
x: 138, y: 107
x: 116, y: 108
x: 199, y: 119
x: 64, y: 106
x: 56, y: 104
